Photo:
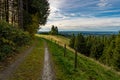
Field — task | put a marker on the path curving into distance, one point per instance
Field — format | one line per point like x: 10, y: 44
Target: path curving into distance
x: 48, y: 72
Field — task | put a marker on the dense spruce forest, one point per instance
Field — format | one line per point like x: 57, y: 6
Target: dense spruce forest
x: 105, y: 49
x: 19, y: 21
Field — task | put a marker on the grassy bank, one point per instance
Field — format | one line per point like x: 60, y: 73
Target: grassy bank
x: 87, y: 69
x: 31, y: 67
x: 61, y: 40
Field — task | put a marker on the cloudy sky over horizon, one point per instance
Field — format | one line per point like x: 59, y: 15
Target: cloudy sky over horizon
x: 84, y: 15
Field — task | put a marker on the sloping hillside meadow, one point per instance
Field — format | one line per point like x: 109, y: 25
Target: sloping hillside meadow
x: 87, y: 69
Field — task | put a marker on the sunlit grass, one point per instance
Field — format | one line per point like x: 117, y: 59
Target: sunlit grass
x: 87, y: 69
x: 59, y: 39
x: 64, y: 40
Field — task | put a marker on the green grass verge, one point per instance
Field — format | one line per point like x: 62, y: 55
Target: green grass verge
x: 11, y: 58
x: 31, y: 67
x: 87, y: 70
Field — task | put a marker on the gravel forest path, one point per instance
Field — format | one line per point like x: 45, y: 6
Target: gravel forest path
x: 48, y: 72
x: 5, y: 74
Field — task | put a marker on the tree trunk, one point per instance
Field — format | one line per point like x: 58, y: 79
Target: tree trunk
x: 26, y: 5
x: 75, y: 64
x: 64, y: 50
x: 13, y: 13
x: 0, y: 10
x: 7, y: 10
x: 20, y: 13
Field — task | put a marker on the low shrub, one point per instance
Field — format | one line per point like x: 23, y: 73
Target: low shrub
x: 11, y: 38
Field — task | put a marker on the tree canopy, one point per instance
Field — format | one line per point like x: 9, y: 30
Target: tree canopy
x: 54, y: 30
x: 19, y: 21
x: 105, y: 49
x: 26, y: 14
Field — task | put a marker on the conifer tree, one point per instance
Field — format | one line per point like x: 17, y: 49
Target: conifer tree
x: 72, y: 41
x: 54, y: 30
x: 80, y: 45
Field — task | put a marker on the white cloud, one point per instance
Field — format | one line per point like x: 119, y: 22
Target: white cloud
x: 103, y: 3
x: 55, y: 9
x: 86, y: 24
x: 80, y: 20
x: 108, y: 11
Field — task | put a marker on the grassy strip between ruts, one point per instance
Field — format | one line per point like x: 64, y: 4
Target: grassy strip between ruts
x: 31, y: 67
x: 87, y: 70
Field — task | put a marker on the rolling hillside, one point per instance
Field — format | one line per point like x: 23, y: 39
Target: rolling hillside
x: 88, y: 69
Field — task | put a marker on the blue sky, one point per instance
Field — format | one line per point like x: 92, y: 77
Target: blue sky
x: 84, y: 15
